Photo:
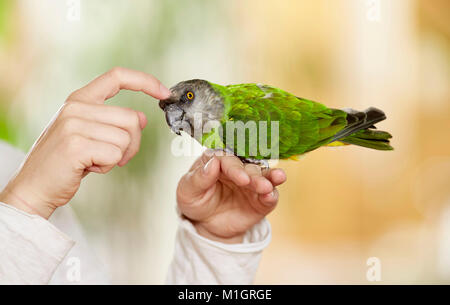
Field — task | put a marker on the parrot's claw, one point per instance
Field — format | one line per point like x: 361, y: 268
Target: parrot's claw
x: 220, y: 152
x: 264, y: 164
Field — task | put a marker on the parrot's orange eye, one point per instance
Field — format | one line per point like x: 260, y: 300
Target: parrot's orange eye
x: 190, y: 95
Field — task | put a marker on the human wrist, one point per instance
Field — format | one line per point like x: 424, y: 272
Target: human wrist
x: 202, y: 231
x: 12, y: 197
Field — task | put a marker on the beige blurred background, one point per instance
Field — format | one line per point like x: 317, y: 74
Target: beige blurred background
x: 340, y: 206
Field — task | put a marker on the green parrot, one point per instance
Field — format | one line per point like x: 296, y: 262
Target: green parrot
x: 301, y: 125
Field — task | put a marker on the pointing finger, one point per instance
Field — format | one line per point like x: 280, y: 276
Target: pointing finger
x: 109, y: 84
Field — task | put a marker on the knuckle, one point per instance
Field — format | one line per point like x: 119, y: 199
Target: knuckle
x: 130, y: 119
x: 116, y: 155
x: 72, y: 95
x: 69, y: 108
x: 116, y: 72
x: 124, y: 139
x: 132, y: 123
x: 70, y: 125
x: 74, y: 144
x: 134, y: 119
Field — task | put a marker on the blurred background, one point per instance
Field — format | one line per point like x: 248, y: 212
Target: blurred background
x: 340, y: 206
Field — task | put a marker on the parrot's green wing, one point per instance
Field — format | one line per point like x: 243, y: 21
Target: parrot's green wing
x: 303, y: 124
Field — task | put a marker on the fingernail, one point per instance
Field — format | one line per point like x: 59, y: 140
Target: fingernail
x: 164, y: 91
x: 207, y: 166
x: 269, y: 196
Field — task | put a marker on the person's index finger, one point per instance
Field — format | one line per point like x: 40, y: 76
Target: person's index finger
x: 109, y: 84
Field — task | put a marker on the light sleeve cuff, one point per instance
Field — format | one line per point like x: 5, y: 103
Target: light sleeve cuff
x: 198, y: 260
x: 31, y: 247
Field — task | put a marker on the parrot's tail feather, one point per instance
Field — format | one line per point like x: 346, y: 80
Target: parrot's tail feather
x: 359, y: 130
x: 371, y: 139
x: 359, y: 120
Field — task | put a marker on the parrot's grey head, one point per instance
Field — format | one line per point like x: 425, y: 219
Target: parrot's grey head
x: 192, y: 100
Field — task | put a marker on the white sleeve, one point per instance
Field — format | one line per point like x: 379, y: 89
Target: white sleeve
x: 198, y: 260
x: 31, y: 248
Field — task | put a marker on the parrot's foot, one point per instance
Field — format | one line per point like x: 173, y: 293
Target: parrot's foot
x: 264, y: 164
x: 220, y: 152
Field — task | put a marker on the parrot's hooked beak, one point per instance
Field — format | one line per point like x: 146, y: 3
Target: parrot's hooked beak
x: 175, y: 117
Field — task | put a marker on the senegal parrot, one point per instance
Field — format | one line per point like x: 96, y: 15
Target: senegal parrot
x: 302, y: 125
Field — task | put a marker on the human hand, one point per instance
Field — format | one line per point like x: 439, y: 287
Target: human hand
x: 86, y: 136
x: 224, y: 198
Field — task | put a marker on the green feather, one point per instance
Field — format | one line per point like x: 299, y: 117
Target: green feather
x: 304, y: 125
